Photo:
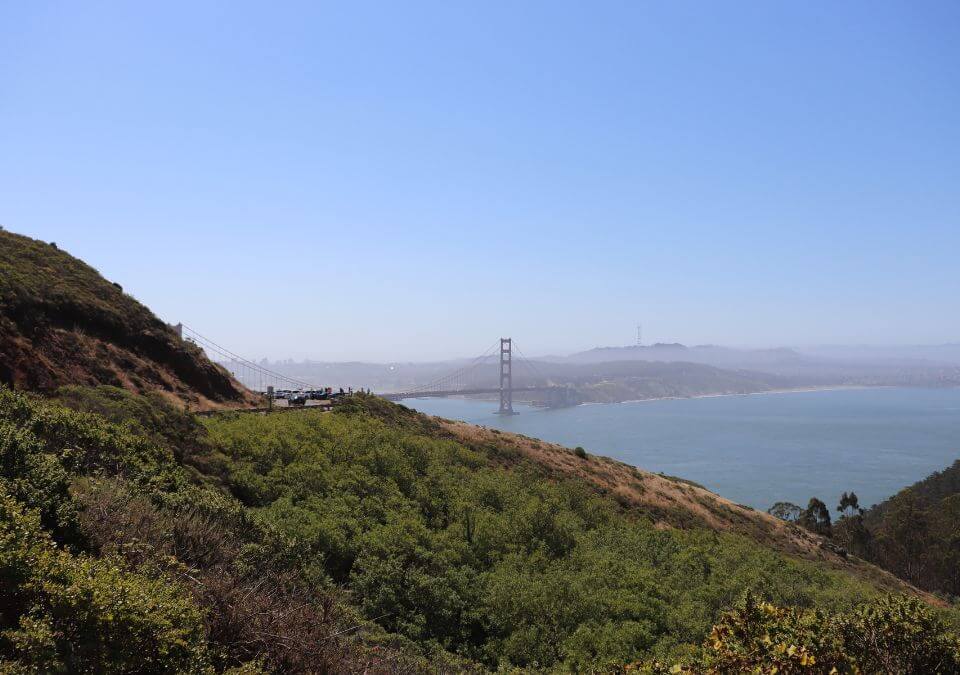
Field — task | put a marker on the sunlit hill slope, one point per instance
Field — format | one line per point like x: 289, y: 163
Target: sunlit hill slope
x: 62, y: 323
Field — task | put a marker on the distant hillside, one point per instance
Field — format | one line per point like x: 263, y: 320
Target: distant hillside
x: 616, y: 381
x: 860, y: 366
x: 931, y: 354
x: 723, y: 357
x: 61, y: 323
x: 610, y: 374
x: 603, y: 382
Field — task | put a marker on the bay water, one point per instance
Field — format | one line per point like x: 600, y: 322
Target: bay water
x: 760, y: 448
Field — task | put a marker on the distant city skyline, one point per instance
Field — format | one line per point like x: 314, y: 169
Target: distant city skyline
x: 410, y: 182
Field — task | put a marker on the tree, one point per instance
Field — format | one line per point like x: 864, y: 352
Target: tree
x: 786, y: 511
x: 816, y: 517
x: 844, y: 503
x: 851, y: 533
x: 905, y: 539
x: 849, y: 502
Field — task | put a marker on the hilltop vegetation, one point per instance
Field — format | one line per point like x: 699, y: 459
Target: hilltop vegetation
x: 365, y: 539
x: 915, y: 534
x: 62, y: 323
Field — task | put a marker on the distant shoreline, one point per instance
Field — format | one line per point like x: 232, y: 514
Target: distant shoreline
x: 801, y: 390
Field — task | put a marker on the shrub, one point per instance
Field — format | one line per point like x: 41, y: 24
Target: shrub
x: 892, y: 634
x: 898, y: 634
x: 75, y: 613
x: 150, y: 415
x: 38, y: 480
x: 361, y: 513
x: 580, y: 452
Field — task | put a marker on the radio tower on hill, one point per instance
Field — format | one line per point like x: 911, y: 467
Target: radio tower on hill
x: 639, y: 335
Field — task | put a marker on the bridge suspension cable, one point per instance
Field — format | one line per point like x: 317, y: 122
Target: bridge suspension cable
x: 473, y: 378
x: 529, y: 364
x: 468, y: 379
x: 460, y: 378
x: 247, y: 372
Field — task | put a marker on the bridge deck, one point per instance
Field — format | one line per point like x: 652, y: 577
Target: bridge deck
x: 459, y: 392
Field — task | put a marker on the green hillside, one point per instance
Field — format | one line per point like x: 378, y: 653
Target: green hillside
x: 368, y: 539
x: 915, y: 534
x: 62, y: 323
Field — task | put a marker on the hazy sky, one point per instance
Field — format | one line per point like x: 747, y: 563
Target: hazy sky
x: 412, y: 180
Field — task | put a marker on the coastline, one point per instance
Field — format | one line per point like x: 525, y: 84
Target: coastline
x: 798, y: 390
x: 764, y: 392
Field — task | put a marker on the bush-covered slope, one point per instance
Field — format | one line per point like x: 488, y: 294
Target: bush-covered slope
x: 670, y: 501
x: 366, y: 539
x: 62, y: 323
x: 112, y: 559
x: 915, y: 534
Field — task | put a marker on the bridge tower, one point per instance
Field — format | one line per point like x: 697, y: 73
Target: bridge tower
x: 506, y: 377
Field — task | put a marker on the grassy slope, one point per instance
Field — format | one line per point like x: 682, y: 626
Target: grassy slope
x: 368, y: 539
x: 62, y: 323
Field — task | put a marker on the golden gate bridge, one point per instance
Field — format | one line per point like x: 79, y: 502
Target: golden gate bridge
x: 477, y: 378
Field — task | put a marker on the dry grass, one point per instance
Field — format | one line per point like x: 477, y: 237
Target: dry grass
x: 64, y: 356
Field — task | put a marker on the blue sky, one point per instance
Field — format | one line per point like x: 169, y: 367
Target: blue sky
x: 413, y: 180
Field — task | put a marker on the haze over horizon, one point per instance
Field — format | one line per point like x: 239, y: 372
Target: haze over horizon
x: 386, y: 183
x: 880, y: 351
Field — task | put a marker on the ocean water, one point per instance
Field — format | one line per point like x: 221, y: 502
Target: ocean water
x: 756, y: 449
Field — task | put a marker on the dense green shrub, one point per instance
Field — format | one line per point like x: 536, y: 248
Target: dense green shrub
x: 152, y: 415
x: 506, y: 567
x: 85, y: 443
x: 326, y: 522
x: 113, y: 496
x: 62, y: 612
x: 39, y: 480
x: 893, y: 634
